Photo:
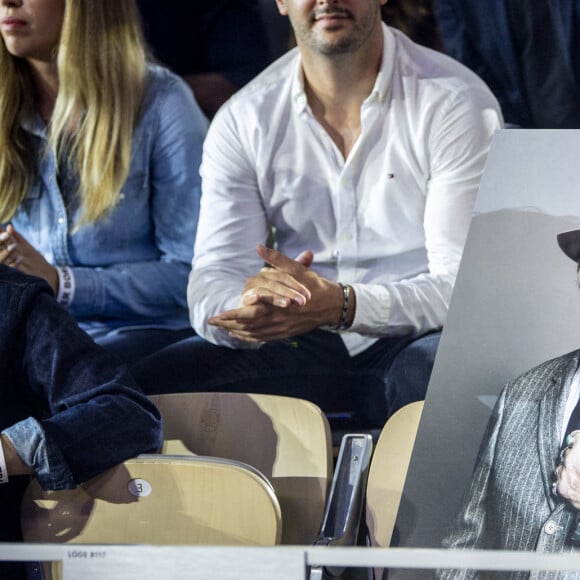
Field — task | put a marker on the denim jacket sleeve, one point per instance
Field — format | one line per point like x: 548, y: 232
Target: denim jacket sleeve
x: 86, y: 412
x: 149, y: 277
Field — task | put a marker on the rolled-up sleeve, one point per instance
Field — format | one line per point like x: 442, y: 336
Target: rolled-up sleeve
x: 87, y: 414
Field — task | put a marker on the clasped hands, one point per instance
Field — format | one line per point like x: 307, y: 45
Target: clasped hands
x: 16, y: 252
x: 568, y: 472
x: 285, y: 299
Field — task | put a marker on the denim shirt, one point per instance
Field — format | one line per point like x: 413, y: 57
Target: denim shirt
x: 69, y: 408
x: 130, y: 268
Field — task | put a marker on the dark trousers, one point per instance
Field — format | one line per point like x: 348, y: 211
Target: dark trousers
x: 368, y: 387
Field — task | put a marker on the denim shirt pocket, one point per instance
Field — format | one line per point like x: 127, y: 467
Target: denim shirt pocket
x: 133, y: 209
x: 123, y: 234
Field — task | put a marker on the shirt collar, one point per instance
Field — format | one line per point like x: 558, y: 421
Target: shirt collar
x: 298, y: 92
x: 382, y: 84
x: 384, y: 78
x: 33, y: 124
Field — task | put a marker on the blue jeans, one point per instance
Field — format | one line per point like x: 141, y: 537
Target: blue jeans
x: 364, y: 389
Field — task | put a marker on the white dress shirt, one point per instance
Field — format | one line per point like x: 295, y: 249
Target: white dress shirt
x: 391, y: 219
x: 571, y: 403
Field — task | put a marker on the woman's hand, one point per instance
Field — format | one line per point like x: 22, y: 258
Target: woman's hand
x: 16, y: 252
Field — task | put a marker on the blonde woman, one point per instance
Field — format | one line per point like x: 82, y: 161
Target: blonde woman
x: 99, y: 159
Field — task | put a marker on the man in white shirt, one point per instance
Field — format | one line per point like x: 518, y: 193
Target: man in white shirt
x: 358, y: 154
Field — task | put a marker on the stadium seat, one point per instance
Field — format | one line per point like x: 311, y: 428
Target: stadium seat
x: 387, y: 474
x: 286, y: 439
x: 160, y: 500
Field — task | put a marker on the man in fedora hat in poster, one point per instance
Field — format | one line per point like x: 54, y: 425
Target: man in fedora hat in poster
x: 525, y: 491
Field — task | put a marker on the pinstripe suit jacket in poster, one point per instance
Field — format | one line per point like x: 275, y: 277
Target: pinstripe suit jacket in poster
x: 510, y: 504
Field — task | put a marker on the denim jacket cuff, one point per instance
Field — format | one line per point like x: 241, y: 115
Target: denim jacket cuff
x: 42, y: 456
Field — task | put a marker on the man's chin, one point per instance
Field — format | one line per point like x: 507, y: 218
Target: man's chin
x: 336, y: 46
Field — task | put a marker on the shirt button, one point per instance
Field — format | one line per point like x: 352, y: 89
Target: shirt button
x: 550, y: 527
x: 60, y: 220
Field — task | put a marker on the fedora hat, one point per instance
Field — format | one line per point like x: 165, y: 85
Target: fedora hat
x: 569, y: 242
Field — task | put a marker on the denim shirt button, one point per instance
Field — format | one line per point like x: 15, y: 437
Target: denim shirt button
x: 60, y: 220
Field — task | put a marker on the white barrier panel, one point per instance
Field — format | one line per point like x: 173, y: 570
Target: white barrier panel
x: 281, y: 563
x: 196, y: 563
x: 159, y: 562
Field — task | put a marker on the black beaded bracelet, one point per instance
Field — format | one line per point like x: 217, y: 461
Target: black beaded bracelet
x: 346, y: 299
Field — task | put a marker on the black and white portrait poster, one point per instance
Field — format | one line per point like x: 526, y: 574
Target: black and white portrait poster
x: 516, y: 304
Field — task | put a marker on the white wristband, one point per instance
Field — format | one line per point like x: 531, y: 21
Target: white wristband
x: 66, y: 285
x: 3, y: 470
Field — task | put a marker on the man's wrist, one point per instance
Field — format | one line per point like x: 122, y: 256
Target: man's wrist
x: 11, y: 462
x: 351, y: 309
x: 3, y: 467
x: 347, y: 310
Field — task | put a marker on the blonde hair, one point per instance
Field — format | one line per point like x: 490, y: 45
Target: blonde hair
x: 101, y: 66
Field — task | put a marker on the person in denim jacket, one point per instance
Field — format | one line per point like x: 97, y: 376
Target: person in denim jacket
x: 99, y: 159
x: 68, y: 409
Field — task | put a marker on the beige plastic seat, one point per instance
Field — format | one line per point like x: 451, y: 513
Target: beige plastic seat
x: 156, y: 499
x: 286, y: 439
x: 388, y: 471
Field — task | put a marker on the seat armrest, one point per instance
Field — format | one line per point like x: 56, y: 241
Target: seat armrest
x: 344, y: 506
